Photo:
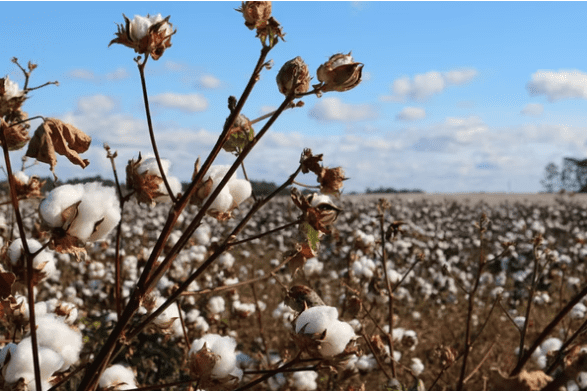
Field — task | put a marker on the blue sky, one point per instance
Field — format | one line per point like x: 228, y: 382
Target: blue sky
x: 456, y: 97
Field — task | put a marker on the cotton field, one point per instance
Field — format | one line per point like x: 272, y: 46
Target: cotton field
x: 255, y: 310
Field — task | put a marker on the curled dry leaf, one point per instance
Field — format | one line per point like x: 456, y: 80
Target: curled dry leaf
x: 54, y: 136
x: 6, y: 281
x: 525, y: 381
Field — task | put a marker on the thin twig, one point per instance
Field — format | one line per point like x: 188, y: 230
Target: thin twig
x: 141, y: 66
x: 28, y: 260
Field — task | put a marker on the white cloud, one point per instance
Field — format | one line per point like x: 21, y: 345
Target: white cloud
x: 175, y: 66
x: 83, y: 74
x: 267, y: 109
x: 333, y: 109
x: 118, y: 74
x: 425, y: 85
x: 209, y: 81
x: 533, y: 110
x: 411, y: 114
x: 188, y: 103
x: 558, y: 85
x: 95, y: 104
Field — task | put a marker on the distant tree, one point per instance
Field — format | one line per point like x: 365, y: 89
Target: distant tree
x: 572, y: 176
x: 551, y: 179
x: 391, y: 190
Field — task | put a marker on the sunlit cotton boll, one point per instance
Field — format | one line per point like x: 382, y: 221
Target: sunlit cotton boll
x: 305, y: 380
x: 317, y: 319
x: 53, y: 333
x: 118, y: 376
x: 139, y: 26
x: 233, y: 194
x: 223, y: 347
x: 98, y: 210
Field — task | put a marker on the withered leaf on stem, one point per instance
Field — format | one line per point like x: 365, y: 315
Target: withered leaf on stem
x: 6, y: 281
x: 54, y: 136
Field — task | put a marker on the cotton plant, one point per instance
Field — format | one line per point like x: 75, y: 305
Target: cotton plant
x: 80, y: 213
x: 321, y: 334
x: 213, y: 360
x: 230, y: 197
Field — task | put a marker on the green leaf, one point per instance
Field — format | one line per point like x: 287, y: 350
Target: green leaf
x: 312, y: 235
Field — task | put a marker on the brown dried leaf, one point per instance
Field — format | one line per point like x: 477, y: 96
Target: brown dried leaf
x: 55, y: 136
x: 6, y: 281
x: 525, y: 381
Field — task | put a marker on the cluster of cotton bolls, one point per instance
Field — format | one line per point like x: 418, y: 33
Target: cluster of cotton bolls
x: 43, y: 263
x: 59, y: 347
x: 231, y: 195
x: 149, y: 166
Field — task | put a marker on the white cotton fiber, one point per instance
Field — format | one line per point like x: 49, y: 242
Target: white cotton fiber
x: 98, y: 213
x: 53, y: 333
x: 417, y: 366
x: 117, y: 374
x: 216, y: 304
x: 224, y: 347
x: 240, y: 190
x: 21, y: 362
x: 57, y: 201
x: 317, y: 319
x: 222, y: 202
x: 305, y: 380
x: 44, y: 261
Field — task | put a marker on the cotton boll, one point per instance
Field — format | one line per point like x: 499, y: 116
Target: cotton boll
x: 223, y: 201
x: 338, y: 336
x: 417, y: 366
x: 572, y: 386
x: 240, y: 190
x: 276, y: 382
x: 117, y: 374
x: 59, y: 199
x: 53, y: 333
x: 216, y: 304
x: 226, y: 260
x: 21, y: 363
x: 175, y: 186
x: 313, y: 267
x: 98, y: 213
x: 168, y: 316
x: 519, y: 321
x: 44, y: 261
x: 224, y: 347
x: 551, y: 344
x: 316, y: 319
x: 305, y: 380
x: 578, y: 312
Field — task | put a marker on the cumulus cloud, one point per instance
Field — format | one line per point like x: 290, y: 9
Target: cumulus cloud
x: 411, y: 114
x: 333, y: 109
x: 118, y: 74
x: 558, y: 85
x: 209, y: 81
x: 423, y: 86
x: 83, y: 74
x: 533, y: 110
x: 189, y: 103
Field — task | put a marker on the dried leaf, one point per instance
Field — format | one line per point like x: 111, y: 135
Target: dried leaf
x: 6, y: 281
x: 54, y: 136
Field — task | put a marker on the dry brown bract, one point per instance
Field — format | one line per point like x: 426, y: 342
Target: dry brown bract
x: 31, y: 189
x: 294, y: 77
x: 146, y: 186
x: 340, y: 73
x: 255, y: 13
x: 525, y: 381
x: 153, y: 43
x: 239, y: 135
x: 54, y: 136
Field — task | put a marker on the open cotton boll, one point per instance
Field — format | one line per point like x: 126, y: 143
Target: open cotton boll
x: 582, y: 379
x: 53, y: 333
x: 417, y: 366
x: 338, y: 336
x: 21, y: 363
x: 240, y: 190
x: 572, y: 386
x: 316, y: 319
x: 222, y: 202
x: 98, y: 213
x: 21, y: 176
x: 216, y: 304
x: 305, y: 380
x: 223, y: 347
x: 149, y: 166
x: 118, y: 375
x: 59, y: 199
x: 168, y: 316
x: 550, y: 344
x: 43, y: 261
x: 175, y: 186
